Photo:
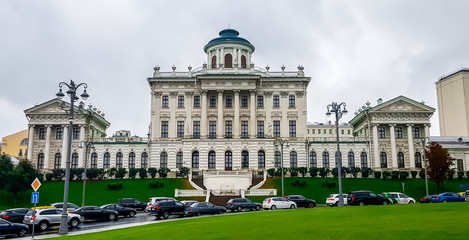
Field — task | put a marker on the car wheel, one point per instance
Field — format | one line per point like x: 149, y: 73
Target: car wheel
x: 258, y: 207
x: 273, y: 207
x: 239, y: 208
x: 361, y: 203
x: 74, y: 222
x: 292, y: 206
x: 112, y: 217
x: 22, y: 232
x: 165, y: 215
x: 310, y: 205
x: 444, y: 200
x: 411, y: 202
x: 385, y: 203
x: 220, y: 211
x: 132, y: 214
x: 43, y: 226
x: 199, y: 214
x: 336, y: 204
x: 82, y: 219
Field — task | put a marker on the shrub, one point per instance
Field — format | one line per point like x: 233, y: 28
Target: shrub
x: 354, y: 171
x: 377, y: 175
x: 271, y: 172
x: 386, y: 174
x: 451, y: 174
x: 403, y: 175
x: 414, y: 174
x: 132, y: 173
x: 59, y: 174
x: 142, y: 173
x: 293, y: 171
x: 121, y: 173
x: 303, y: 171
x: 278, y: 171
x: 111, y: 172
x: 78, y: 173
x: 366, y: 172
x: 323, y: 172
x: 460, y: 176
x: 49, y: 176
x: 114, y: 186
x: 335, y: 172
x: 298, y: 183
x: 155, y: 184
x: 394, y: 175
x: 92, y: 173
x: 422, y: 173
x: 152, y: 171
x: 163, y: 172
x: 101, y: 173
x: 313, y: 171
x: 184, y: 171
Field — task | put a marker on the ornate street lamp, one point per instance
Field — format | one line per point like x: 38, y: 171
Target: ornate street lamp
x: 276, y: 143
x: 72, y: 93
x: 339, y: 110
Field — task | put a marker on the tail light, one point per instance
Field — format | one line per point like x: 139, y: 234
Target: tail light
x: 149, y: 204
x: 158, y: 207
x: 424, y: 199
x: 5, y: 217
x: 232, y: 203
x: 331, y: 199
x: 269, y: 201
x: 285, y: 197
x: 33, y: 217
x: 190, y: 210
x: 437, y: 197
x: 353, y: 198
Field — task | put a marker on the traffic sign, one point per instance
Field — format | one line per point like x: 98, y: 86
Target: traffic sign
x: 35, y: 197
x: 36, y: 184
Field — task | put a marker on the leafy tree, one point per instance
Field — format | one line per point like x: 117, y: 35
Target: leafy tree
x: 323, y: 172
x: 59, y: 174
x: 101, y: 173
x: 439, y: 163
x: 163, y: 172
x: 366, y: 172
x: 293, y: 171
x: 132, y: 173
x: 184, y: 171
x: 354, y: 171
x: 313, y: 171
x: 49, y: 176
x: 271, y: 172
x: 152, y: 171
x: 92, y: 173
x: 111, y: 172
x: 303, y: 171
x: 79, y: 173
x: 142, y: 173
x: 6, y: 167
x: 121, y: 173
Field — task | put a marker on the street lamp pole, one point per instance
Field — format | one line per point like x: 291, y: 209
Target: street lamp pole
x: 339, y: 110
x: 425, y: 161
x: 72, y: 88
x: 276, y: 143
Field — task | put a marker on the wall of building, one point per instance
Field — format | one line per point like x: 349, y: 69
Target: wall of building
x: 16, y: 144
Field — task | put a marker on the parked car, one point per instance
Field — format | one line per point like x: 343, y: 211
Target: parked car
x: 427, y: 199
x: 238, y: 204
x: 9, y: 229
x: 367, y: 198
x: 132, y: 203
x: 43, y: 218
x: 153, y: 200
x: 188, y: 203
x: 301, y: 201
x: 70, y: 206
x: 333, y: 199
x: 399, y: 198
x: 166, y: 208
x: 278, y: 202
x: 122, y: 211
x: 200, y: 208
x: 96, y: 213
x: 448, y: 197
x: 14, y: 215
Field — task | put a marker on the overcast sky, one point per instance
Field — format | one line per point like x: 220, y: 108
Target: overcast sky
x: 354, y: 51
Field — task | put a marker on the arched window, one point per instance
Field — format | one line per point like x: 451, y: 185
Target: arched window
x: 293, y: 159
x: 40, y: 161
x: 132, y: 160
x: 228, y: 160
x: 228, y: 61
x: 195, y: 159
x: 418, y: 160
x: 363, y: 160
x: 383, y: 159
x: 243, y: 61
x: 179, y: 160
x: 57, y: 160
x: 313, y: 158
x: 24, y: 142
x: 107, y: 160
x: 214, y: 62
x: 119, y: 157
x: 261, y: 160
x: 94, y: 160
x: 400, y: 160
x: 74, y: 160
x: 212, y: 160
x: 351, y: 159
x: 325, y: 160
x: 144, y: 160
x: 277, y: 159
x: 244, y: 159
x: 164, y: 160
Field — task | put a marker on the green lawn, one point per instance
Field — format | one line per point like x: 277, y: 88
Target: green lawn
x: 417, y: 221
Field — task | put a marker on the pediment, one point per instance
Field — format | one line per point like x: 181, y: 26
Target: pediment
x: 53, y: 106
x: 402, y: 104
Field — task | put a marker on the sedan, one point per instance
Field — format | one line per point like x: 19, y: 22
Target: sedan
x: 333, y: 200
x: 7, y: 228
x: 122, y: 211
x: 96, y: 213
x: 278, y: 202
x: 448, y: 197
x: 427, y: 199
x: 203, y: 208
x: 15, y: 215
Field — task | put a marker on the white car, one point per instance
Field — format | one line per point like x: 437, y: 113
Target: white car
x: 333, y: 200
x: 399, y: 198
x: 153, y: 200
x: 278, y: 202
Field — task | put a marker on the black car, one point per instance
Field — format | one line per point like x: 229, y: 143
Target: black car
x: 427, y: 199
x: 166, y: 208
x: 367, y: 198
x: 301, y: 201
x: 7, y: 228
x: 122, y: 211
x: 96, y: 213
x: 197, y: 209
x: 238, y: 204
x: 132, y: 203
x: 14, y: 215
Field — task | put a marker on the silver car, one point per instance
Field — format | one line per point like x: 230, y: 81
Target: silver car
x: 43, y: 218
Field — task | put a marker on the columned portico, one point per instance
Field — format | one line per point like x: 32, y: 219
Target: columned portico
x: 30, y: 142
x: 375, y: 146
x: 81, y: 151
x: 411, y: 145
x: 47, y: 147
x: 64, y: 147
x: 393, y: 145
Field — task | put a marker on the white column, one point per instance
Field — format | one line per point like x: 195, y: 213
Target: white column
x: 188, y: 105
x: 47, y: 148
x: 222, y: 57
x: 64, y: 147
x: 239, y: 57
x: 220, y: 114
x: 172, y: 124
x: 410, y: 142
x: 393, y: 145
x: 236, y: 114
x: 427, y: 129
x: 156, y: 122
x: 30, y: 142
x: 81, y: 151
x: 209, y: 59
x: 375, y: 146
x: 253, y: 118
x: 203, y: 119
x: 235, y: 58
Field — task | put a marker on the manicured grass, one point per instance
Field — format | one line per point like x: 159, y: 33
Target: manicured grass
x: 417, y: 221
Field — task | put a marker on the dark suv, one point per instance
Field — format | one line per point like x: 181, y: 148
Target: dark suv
x: 367, y: 198
x: 238, y: 204
x: 166, y: 208
x: 132, y: 203
x: 301, y: 201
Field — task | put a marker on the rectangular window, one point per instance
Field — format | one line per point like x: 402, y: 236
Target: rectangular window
x: 59, y: 133
x: 196, y: 101
x: 76, y: 133
x: 292, y: 128
x: 416, y: 131
x: 165, y: 101
x: 180, y: 129
x: 342, y: 131
x: 229, y: 101
x: 42, y: 133
x: 244, y: 129
x: 196, y: 129
x: 276, y: 128
x: 244, y: 101
x: 212, y: 128
x: 398, y: 132
x: 276, y: 101
x: 213, y: 101
x: 260, y: 129
x: 260, y: 101
x: 291, y: 101
x: 164, y: 129
x: 314, y: 131
x: 348, y: 132
x: 181, y: 101
x: 381, y: 132
x: 460, y: 166
x: 228, y: 129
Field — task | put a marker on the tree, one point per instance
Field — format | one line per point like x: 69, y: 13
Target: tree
x: 152, y: 171
x: 354, y: 171
x: 163, y: 172
x: 313, y: 171
x: 439, y: 163
x: 6, y: 167
x: 111, y: 172
x: 142, y: 173
x: 121, y: 173
x: 303, y: 171
x: 184, y: 171
x: 132, y: 173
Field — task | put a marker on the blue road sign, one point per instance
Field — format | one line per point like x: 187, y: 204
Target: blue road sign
x: 35, y: 197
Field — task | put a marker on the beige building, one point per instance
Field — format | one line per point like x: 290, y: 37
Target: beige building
x: 453, y: 103
x: 16, y: 144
